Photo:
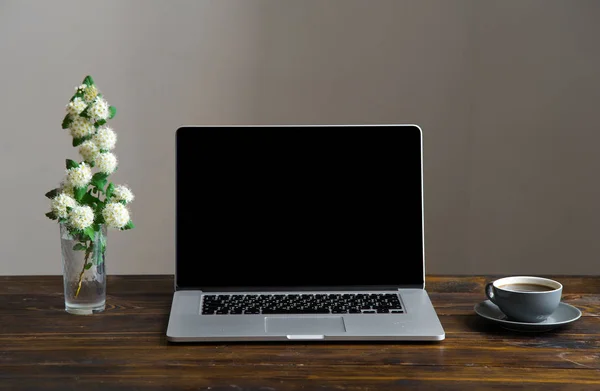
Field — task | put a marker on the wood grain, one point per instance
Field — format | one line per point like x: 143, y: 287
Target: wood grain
x: 44, y: 348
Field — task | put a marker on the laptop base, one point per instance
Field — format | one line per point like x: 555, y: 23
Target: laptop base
x: 419, y: 323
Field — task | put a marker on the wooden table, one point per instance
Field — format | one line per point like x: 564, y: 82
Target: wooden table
x: 44, y: 348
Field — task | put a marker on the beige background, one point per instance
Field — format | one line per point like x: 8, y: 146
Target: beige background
x: 507, y: 93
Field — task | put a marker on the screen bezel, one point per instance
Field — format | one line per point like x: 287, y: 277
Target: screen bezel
x: 416, y: 281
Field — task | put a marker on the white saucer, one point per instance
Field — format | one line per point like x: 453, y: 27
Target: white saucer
x: 564, y: 314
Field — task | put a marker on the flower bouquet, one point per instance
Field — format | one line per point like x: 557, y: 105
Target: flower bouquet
x: 86, y: 203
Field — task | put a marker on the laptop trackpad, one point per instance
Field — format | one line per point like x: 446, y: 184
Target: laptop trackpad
x: 305, y: 326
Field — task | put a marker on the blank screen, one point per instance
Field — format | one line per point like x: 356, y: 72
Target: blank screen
x: 286, y: 206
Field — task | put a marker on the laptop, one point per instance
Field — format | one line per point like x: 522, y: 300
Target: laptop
x: 300, y: 233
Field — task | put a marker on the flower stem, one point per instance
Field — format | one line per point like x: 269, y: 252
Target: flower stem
x: 85, y: 261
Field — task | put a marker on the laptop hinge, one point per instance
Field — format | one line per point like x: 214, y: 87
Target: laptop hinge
x: 299, y: 289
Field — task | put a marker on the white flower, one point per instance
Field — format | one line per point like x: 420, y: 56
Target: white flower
x: 98, y: 109
x: 79, y: 176
x: 115, y: 215
x: 81, y: 217
x: 105, y: 138
x: 76, y: 106
x: 80, y: 88
x: 122, y: 193
x: 89, y: 150
x: 106, y: 162
x: 67, y: 189
x: 81, y: 127
x: 70, y: 191
x: 61, y: 202
x: 90, y: 93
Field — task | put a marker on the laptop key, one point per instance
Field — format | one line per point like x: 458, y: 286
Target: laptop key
x: 339, y: 311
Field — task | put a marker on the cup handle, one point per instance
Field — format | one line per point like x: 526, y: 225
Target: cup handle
x: 489, y: 291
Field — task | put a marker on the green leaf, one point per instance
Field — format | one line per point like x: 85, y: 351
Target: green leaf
x: 52, y: 193
x: 98, y: 208
x: 99, y: 123
x: 109, y: 190
x: 89, y: 231
x: 89, y: 199
x: 84, y: 113
x: 79, y: 247
x: 100, y: 184
x: 99, y: 217
x: 67, y: 121
x: 78, y: 141
x: 92, y: 164
x: 51, y: 215
x: 62, y: 220
x: 129, y: 225
x: 99, y: 180
x: 88, y: 81
x: 72, y: 164
x: 100, y: 175
x: 88, y: 266
x: 79, y: 193
x: 112, y: 111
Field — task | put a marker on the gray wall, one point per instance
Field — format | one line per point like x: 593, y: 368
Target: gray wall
x: 507, y: 93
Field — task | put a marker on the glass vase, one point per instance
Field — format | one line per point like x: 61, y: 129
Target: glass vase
x: 84, y: 271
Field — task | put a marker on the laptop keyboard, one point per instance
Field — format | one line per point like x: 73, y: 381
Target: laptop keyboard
x: 326, y: 303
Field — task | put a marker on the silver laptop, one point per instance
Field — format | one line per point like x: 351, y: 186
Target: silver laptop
x: 300, y: 233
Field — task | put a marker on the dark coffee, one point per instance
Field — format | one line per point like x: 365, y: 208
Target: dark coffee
x: 523, y: 287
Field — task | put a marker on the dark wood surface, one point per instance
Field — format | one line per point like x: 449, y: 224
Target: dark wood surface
x: 124, y: 348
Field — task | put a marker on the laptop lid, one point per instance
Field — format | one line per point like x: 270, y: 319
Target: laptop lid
x: 299, y: 207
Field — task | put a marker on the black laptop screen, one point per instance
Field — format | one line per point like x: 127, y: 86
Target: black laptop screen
x: 298, y: 206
